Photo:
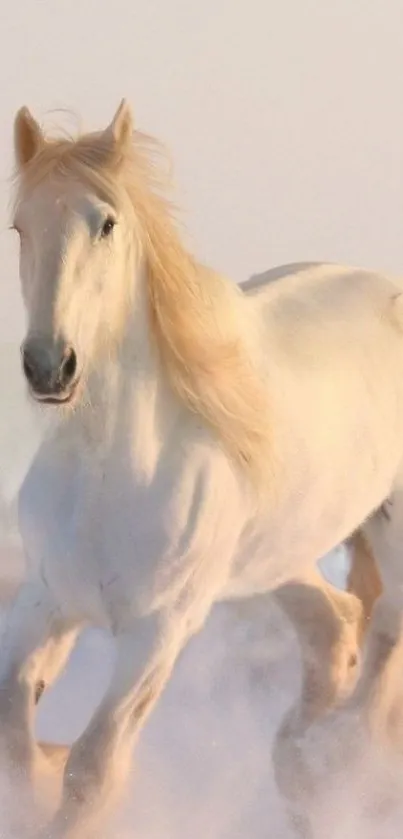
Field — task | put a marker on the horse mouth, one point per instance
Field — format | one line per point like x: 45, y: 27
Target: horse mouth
x: 62, y: 398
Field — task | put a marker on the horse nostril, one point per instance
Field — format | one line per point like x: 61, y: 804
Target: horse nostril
x: 68, y: 368
x: 28, y: 365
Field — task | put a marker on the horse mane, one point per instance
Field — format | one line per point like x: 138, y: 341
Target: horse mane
x: 197, y: 317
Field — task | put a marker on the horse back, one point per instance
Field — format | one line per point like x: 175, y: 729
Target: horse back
x: 258, y: 282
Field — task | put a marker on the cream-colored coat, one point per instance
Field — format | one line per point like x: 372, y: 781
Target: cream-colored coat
x: 219, y: 440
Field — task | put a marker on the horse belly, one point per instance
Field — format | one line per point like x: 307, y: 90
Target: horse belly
x: 321, y: 510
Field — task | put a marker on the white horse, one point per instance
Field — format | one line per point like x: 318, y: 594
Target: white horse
x: 207, y: 443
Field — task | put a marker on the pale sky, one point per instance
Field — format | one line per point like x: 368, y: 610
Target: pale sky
x: 284, y: 119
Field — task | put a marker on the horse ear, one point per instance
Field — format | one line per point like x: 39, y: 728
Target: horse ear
x: 120, y: 130
x: 28, y: 137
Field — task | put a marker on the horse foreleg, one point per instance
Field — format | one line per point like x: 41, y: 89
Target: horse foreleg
x: 99, y: 760
x: 55, y: 755
x: 31, y: 624
x: 54, y: 656
x: 53, y: 659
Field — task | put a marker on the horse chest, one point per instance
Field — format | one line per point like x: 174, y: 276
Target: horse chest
x: 95, y: 536
x: 110, y: 549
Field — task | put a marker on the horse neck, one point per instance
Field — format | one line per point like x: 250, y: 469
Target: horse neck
x: 130, y: 407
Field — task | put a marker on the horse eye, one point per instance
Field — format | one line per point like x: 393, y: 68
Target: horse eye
x: 107, y: 227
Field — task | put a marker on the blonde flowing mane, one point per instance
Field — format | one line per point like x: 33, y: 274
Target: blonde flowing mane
x: 196, y: 316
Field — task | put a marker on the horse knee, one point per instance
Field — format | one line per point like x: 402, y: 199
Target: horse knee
x: 55, y: 656
x: 39, y: 690
x: 347, y: 654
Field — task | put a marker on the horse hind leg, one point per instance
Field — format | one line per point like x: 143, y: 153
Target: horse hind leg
x: 372, y: 714
x: 363, y: 579
x: 330, y: 626
x: 378, y: 695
